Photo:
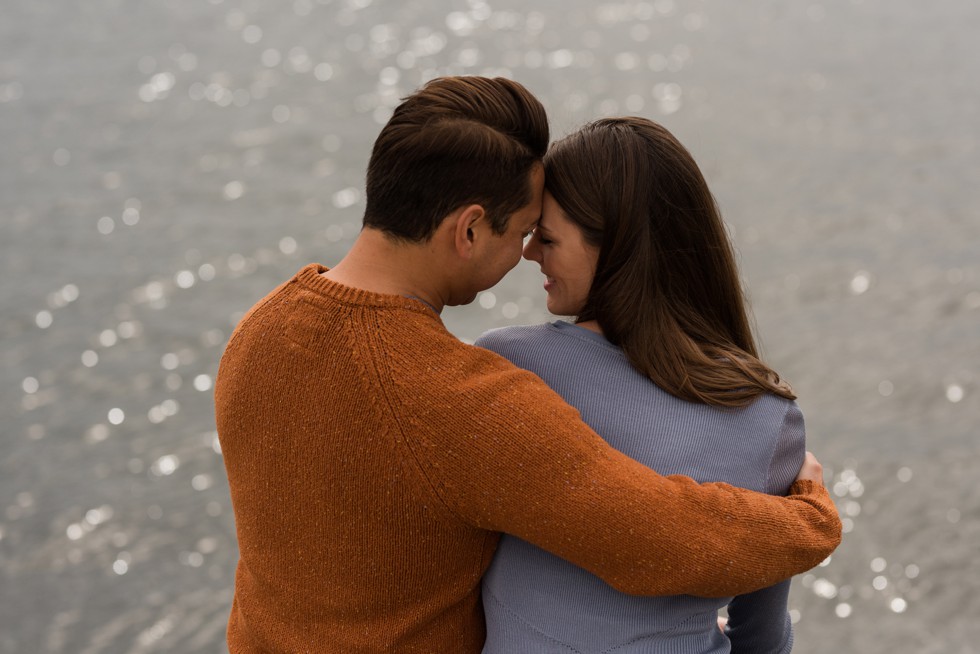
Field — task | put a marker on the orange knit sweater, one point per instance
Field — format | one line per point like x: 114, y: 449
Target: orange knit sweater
x: 373, y: 460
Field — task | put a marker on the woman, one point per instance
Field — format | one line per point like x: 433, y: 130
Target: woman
x: 661, y: 362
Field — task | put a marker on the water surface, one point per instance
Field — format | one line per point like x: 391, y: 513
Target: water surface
x: 165, y: 164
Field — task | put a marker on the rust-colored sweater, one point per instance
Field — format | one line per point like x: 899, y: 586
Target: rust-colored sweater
x: 374, y: 458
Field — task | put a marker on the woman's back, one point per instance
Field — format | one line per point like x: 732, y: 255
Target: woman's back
x: 536, y: 602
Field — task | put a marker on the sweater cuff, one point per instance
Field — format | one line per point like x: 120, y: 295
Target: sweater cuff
x: 804, y: 487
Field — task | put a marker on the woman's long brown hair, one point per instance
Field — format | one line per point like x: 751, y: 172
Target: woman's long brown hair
x: 666, y: 288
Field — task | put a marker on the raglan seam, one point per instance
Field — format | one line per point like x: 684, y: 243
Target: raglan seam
x: 383, y: 390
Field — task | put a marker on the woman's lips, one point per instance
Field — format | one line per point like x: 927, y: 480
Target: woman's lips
x: 549, y: 283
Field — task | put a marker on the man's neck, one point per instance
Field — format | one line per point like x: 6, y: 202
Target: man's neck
x: 382, y: 265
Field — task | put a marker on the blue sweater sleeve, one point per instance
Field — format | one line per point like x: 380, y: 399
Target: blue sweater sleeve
x: 758, y: 623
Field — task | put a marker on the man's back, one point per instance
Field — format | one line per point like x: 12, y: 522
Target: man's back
x: 343, y: 547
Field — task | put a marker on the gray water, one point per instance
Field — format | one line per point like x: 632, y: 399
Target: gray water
x: 164, y: 164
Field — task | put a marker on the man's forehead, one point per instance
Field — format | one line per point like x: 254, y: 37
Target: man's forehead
x: 530, y: 219
x: 536, y: 181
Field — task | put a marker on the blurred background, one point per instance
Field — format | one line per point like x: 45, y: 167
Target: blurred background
x: 163, y: 165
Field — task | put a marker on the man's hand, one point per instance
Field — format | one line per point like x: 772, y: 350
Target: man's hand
x: 811, y: 469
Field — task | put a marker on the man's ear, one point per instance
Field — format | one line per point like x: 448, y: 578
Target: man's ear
x: 465, y: 229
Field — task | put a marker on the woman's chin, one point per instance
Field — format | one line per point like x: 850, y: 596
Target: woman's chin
x: 556, y: 309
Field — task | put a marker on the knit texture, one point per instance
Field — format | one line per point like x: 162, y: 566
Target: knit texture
x: 373, y: 460
x: 536, y: 602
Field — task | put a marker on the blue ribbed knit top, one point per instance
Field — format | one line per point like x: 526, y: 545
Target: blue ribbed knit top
x: 536, y: 602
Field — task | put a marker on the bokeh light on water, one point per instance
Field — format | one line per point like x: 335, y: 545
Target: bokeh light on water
x: 165, y: 164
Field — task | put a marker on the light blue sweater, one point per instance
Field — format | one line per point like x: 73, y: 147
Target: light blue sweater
x: 536, y: 602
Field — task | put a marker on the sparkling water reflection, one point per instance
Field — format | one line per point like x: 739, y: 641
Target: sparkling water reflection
x: 166, y: 164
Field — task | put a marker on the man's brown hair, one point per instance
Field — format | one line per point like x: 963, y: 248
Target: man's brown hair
x: 454, y: 142
x: 666, y: 287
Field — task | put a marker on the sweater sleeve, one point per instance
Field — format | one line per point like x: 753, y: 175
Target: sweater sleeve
x: 759, y: 622
x: 508, y: 454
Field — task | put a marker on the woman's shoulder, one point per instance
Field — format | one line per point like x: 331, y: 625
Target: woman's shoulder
x: 776, y: 403
x: 514, y: 335
x: 778, y: 417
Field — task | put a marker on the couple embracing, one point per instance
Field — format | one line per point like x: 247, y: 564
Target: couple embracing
x: 605, y: 484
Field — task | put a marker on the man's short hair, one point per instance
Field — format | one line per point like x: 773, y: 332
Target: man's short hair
x: 456, y: 141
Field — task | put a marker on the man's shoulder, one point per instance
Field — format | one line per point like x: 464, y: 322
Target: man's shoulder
x: 263, y: 312
x: 433, y: 351
x: 432, y: 367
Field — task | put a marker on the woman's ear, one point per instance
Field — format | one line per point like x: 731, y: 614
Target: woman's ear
x: 465, y: 229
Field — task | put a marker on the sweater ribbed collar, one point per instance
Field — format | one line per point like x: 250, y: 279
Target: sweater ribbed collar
x: 310, y: 277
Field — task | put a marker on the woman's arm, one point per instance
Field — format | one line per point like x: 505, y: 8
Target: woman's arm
x: 758, y: 623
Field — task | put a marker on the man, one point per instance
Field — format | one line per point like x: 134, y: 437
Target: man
x: 374, y: 459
